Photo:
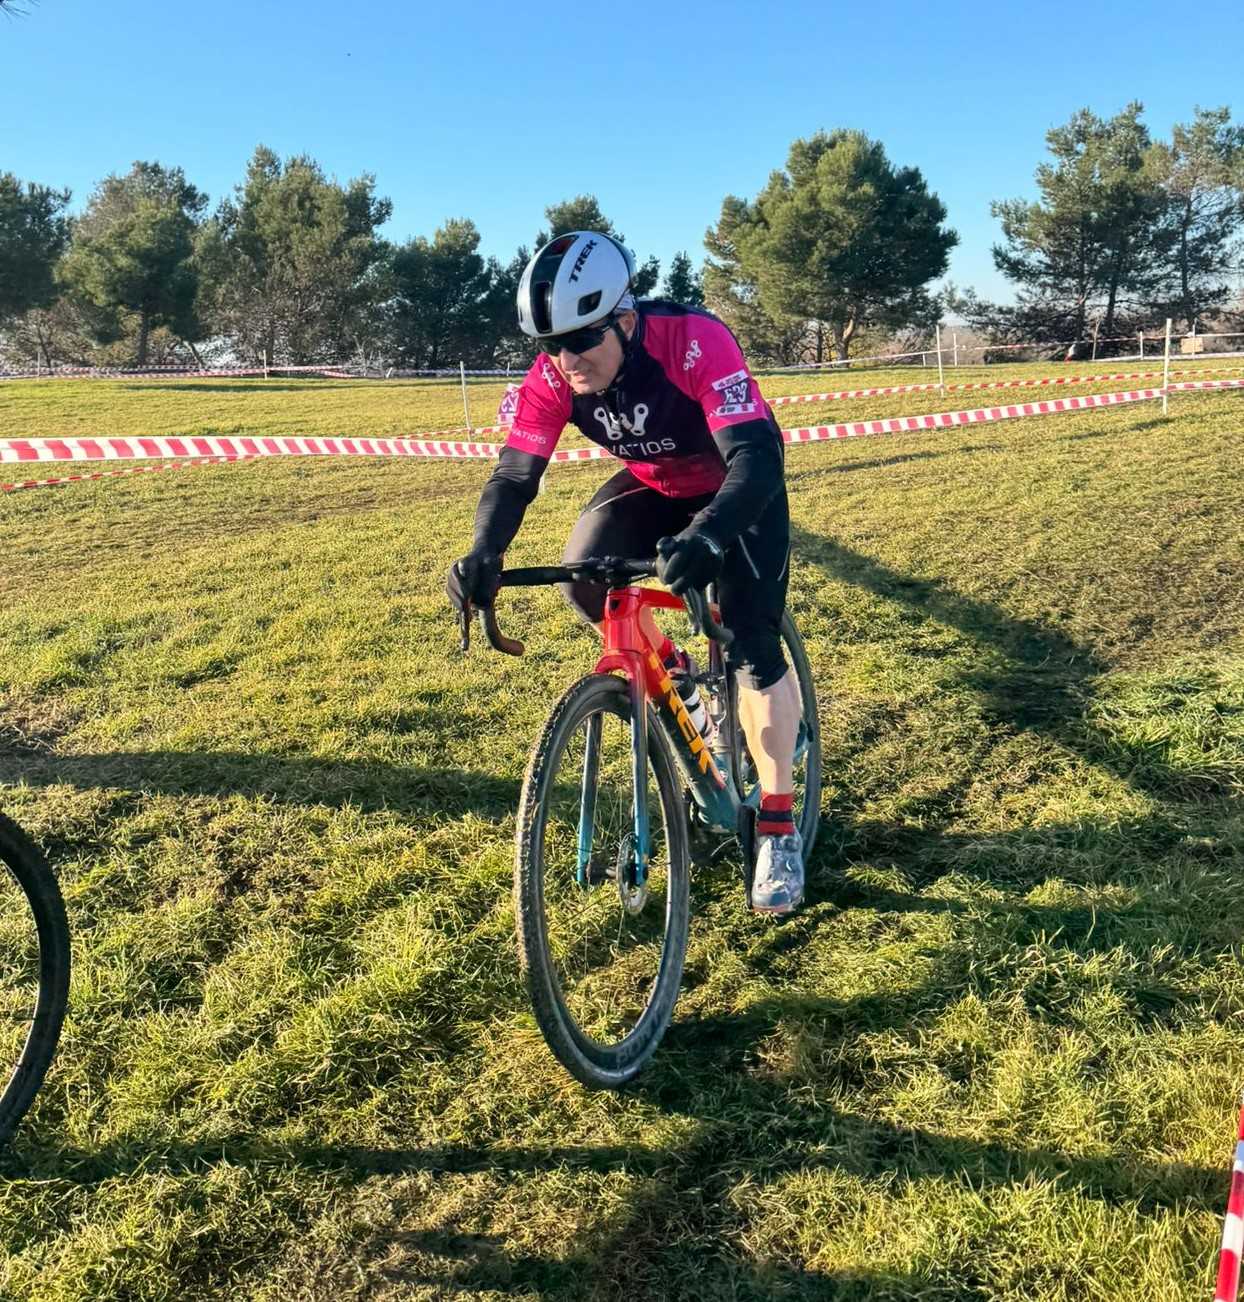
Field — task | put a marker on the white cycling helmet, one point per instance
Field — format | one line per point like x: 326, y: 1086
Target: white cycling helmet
x: 576, y: 280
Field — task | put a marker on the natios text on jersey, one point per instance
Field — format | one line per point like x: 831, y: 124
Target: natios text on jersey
x: 649, y: 448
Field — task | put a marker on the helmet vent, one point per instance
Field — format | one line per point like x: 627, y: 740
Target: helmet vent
x: 541, y: 306
x: 589, y: 303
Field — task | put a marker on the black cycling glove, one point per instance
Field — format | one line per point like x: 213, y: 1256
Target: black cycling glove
x: 691, y: 560
x: 473, y: 580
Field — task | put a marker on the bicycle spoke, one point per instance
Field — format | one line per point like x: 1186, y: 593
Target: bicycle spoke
x: 606, y: 955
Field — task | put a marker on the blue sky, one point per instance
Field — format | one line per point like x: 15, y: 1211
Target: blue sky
x: 493, y: 111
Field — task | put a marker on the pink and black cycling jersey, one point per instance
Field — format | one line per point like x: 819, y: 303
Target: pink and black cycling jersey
x: 683, y: 383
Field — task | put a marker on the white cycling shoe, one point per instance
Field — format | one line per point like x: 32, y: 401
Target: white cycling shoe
x: 777, y: 887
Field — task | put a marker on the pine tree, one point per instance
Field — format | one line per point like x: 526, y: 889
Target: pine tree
x: 292, y: 265
x: 683, y: 282
x: 34, y: 232
x: 840, y: 240
x: 132, y: 250
x: 1201, y: 174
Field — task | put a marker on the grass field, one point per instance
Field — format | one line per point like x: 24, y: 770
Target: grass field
x: 996, y: 1057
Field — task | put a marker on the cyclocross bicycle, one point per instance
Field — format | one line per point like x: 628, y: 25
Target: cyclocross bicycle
x: 34, y: 971
x: 619, y: 783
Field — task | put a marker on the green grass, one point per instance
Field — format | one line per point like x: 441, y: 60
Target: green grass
x: 996, y: 1057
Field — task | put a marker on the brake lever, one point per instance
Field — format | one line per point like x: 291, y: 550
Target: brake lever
x: 492, y: 630
x: 701, y: 617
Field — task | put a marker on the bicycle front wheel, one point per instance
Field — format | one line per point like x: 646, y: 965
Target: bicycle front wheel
x: 34, y: 971
x: 602, y: 951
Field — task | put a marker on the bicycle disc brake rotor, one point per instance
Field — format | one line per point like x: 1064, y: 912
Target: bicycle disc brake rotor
x: 633, y: 896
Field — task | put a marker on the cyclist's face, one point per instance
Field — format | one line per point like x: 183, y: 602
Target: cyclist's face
x: 594, y: 369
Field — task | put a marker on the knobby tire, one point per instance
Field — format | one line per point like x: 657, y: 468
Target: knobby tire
x: 595, y: 1064
x: 28, y: 868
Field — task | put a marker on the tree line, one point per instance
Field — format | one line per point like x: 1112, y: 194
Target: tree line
x: 1127, y: 231
x: 840, y: 250
x: 290, y: 269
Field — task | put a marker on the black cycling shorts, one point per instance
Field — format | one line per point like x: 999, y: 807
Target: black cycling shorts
x: 626, y: 518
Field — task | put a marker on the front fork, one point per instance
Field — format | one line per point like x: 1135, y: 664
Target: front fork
x: 587, y: 798
x: 640, y: 835
x: 639, y: 778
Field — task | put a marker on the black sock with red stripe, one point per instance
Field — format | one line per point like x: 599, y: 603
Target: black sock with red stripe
x: 775, y: 817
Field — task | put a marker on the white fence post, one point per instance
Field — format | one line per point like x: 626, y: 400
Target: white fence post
x: 1166, y: 365
x: 1142, y: 345
x: 466, y: 410
x: 1096, y: 328
x: 954, y: 339
x: 941, y: 374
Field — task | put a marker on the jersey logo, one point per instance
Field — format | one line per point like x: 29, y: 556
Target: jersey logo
x: 509, y: 405
x: 735, y: 409
x: 733, y: 388
x: 530, y: 436
x: 617, y: 426
x: 550, y: 376
x: 693, y: 355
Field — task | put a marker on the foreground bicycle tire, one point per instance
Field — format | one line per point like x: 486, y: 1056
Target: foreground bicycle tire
x: 810, y: 796
x: 34, y: 971
x: 596, y: 1063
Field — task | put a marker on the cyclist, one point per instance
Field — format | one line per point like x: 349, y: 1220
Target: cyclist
x: 666, y: 390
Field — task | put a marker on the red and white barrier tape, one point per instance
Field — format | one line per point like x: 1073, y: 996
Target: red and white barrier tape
x: 241, y: 447
x: 1206, y: 384
x: 112, y: 373
x: 945, y: 419
x: 334, y: 370
x: 1233, y: 1227
x: 988, y: 384
x: 124, y: 449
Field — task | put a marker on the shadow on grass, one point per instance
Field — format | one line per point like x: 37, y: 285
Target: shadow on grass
x: 685, y: 1221
x: 454, y: 1262
x: 712, y: 1072
x: 1039, y: 686
x: 1043, y: 682
x: 794, y: 476
x: 366, y: 785
x: 684, y: 1197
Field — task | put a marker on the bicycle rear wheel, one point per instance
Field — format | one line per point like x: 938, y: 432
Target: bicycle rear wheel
x: 602, y: 953
x: 34, y: 971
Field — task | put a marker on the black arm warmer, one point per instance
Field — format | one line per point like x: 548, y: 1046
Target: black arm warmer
x: 510, y: 490
x: 754, y: 469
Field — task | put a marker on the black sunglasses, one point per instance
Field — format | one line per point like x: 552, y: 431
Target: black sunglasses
x: 578, y: 341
